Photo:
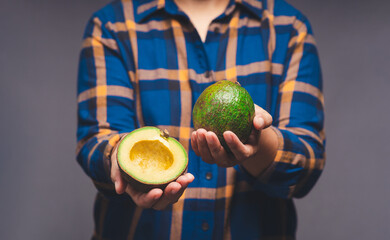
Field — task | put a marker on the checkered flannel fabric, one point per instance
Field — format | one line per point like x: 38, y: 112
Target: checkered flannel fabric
x: 143, y: 64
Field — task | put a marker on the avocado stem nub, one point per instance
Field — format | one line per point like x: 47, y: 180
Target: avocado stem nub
x: 236, y: 82
x: 165, y: 133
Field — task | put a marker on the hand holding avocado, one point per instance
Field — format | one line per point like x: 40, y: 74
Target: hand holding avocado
x: 206, y: 143
x: 225, y: 106
x: 155, y: 198
x: 231, y: 129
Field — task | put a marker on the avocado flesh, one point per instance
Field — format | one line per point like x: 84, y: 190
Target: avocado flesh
x: 225, y: 106
x: 148, y: 160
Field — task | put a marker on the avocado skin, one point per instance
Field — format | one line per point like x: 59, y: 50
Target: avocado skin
x: 144, y: 187
x: 225, y: 106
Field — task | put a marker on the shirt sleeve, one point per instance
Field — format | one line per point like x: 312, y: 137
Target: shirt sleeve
x: 105, y: 102
x: 298, y: 122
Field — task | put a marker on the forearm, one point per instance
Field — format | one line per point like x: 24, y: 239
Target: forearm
x: 298, y: 121
x: 105, y: 101
x: 298, y: 163
x: 294, y: 169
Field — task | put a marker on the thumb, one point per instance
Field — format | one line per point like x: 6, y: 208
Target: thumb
x: 258, y: 122
x: 116, y: 178
x: 262, y: 118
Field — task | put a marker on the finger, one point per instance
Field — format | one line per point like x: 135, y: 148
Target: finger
x: 169, y: 196
x: 203, y: 147
x: 185, y: 180
x: 119, y: 182
x: 194, y: 143
x: 258, y: 122
x: 214, y: 145
x: 144, y: 200
x: 239, y: 150
x: 218, y: 153
x: 260, y: 112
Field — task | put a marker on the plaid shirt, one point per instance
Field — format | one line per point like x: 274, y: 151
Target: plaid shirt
x: 143, y: 64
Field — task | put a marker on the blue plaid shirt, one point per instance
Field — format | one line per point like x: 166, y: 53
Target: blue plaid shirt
x: 143, y: 64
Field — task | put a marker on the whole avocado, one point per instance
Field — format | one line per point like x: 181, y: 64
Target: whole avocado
x: 225, y: 106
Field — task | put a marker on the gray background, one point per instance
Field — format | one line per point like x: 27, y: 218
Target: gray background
x: 45, y: 194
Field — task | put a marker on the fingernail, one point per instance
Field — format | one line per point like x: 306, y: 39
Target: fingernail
x: 174, y: 191
x: 193, y: 134
x: 228, y: 138
x: 192, y: 177
x: 156, y: 197
x: 260, y: 121
x: 209, y: 139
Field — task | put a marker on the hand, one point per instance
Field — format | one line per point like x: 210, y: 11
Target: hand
x: 155, y: 198
x: 206, y: 144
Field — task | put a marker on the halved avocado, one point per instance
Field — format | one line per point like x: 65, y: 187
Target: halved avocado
x: 148, y: 158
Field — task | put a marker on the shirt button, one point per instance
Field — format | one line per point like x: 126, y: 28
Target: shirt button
x: 207, y: 74
x: 209, y: 176
x: 205, y: 226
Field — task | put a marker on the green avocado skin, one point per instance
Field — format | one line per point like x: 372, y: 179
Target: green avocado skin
x: 224, y: 106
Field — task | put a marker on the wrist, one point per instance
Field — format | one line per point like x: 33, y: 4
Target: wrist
x: 265, y: 155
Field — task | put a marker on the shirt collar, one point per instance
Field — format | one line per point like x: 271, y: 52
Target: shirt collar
x: 145, y: 8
